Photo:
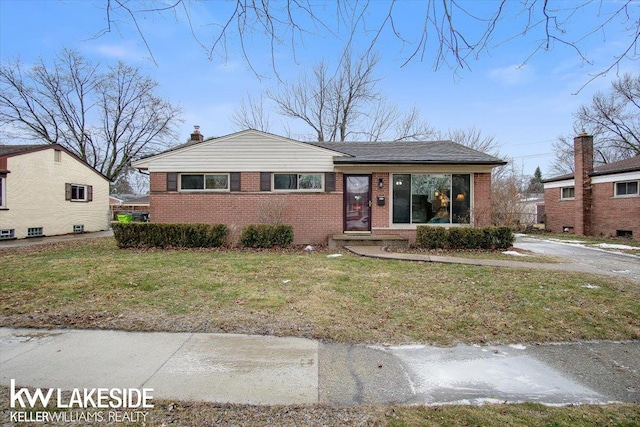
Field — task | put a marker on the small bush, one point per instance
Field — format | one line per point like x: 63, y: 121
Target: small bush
x: 464, y: 238
x: 266, y: 236
x: 136, y: 235
x: 431, y: 237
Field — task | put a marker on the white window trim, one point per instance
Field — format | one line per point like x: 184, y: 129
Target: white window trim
x: 622, y: 196
x: 298, y: 190
x: 86, y: 193
x: 562, y: 193
x: 204, y: 190
x: 3, y: 192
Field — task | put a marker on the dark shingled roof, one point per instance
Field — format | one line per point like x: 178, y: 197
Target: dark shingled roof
x: 408, y: 152
x: 7, y: 150
x: 627, y: 165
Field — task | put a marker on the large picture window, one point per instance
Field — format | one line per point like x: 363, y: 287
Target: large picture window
x: 431, y: 199
x: 627, y: 188
x: 204, y: 182
x: 297, y: 182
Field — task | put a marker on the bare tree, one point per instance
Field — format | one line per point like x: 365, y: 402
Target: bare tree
x: 472, y: 137
x: 340, y: 105
x: 613, y: 118
x: 449, y: 32
x: 106, y: 116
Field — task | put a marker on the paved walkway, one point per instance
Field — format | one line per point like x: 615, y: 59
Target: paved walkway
x: 275, y: 370
x: 21, y: 243
x: 379, y: 252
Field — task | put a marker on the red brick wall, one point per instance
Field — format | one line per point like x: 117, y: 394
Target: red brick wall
x: 610, y: 213
x: 558, y: 213
x: 314, y: 216
x: 380, y: 214
x: 482, y: 208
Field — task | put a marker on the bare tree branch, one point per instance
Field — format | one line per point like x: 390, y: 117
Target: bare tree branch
x: 106, y: 117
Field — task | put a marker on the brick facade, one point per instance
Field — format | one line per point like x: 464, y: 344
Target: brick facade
x: 595, y: 210
x: 314, y: 216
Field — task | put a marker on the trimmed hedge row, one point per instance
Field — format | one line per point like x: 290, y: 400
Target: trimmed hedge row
x: 464, y: 238
x: 266, y: 236
x: 140, y: 234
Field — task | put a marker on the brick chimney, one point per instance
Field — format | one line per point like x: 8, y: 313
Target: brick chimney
x: 196, y: 136
x: 583, y: 158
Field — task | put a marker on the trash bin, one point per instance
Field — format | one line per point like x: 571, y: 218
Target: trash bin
x: 127, y: 217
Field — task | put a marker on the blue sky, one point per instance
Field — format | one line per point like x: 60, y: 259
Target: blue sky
x: 524, y: 104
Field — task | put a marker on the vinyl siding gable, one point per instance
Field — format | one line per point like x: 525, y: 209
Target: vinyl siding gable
x: 248, y: 151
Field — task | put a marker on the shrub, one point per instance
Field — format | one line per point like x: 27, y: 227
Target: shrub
x: 136, y: 235
x: 464, y: 238
x: 266, y: 236
x: 431, y: 237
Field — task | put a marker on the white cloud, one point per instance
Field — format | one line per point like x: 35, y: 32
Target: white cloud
x: 118, y: 51
x: 512, y: 75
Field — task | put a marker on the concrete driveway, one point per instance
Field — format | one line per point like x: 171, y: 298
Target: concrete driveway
x: 617, y: 263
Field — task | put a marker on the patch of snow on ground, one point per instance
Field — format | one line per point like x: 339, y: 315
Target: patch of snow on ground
x: 514, y: 253
x: 591, y: 286
x: 518, y: 346
x: 616, y: 246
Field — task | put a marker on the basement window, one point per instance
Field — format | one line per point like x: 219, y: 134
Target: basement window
x: 7, y: 234
x: 624, y: 233
x: 34, y: 232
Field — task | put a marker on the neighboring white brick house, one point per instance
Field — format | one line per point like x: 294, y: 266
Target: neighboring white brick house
x: 46, y: 190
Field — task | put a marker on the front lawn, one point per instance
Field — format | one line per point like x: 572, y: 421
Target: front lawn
x: 349, y: 299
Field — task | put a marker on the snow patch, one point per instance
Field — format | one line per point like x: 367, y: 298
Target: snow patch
x: 617, y: 246
x: 334, y: 256
x: 514, y: 253
x: 518, y: 346
x: 588, y: 286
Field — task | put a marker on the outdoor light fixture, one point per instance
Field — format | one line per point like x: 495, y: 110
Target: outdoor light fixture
x: 380, y: 182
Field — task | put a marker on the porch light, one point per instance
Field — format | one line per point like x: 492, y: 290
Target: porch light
x: 380, y: 183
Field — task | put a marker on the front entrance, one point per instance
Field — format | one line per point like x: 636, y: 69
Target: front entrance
x: 357, y: 203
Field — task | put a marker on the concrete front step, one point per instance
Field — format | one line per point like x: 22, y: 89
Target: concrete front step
x: 341, y: 240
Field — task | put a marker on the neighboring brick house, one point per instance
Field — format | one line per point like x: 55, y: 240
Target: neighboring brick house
x: 46, y: 190
x: 320, y: 189
x: 602, y: 201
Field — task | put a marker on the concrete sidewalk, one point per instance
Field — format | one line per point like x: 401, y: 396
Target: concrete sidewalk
x: 379, y: 252
x: 267, y: 370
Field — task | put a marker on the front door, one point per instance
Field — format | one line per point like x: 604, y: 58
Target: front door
x: 357, y: 203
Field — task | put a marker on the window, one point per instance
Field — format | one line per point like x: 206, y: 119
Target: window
x: 2, y: 192
x: 7, y: 234
x: 427, y: 199
x: 204, y: 182
x: 297, y: 182
x: 57, y: 156
x: 627, y: 188
x: 567, y: 193
x: 34, y: 232
x: 78, y: 192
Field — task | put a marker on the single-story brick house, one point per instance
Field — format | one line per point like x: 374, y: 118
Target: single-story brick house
x: 46, y: 190
x: 595, y: 201
x: 321, y: 189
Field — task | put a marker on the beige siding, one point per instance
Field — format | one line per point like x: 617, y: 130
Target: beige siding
x: 35, y: 195
x: 248, y: 151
